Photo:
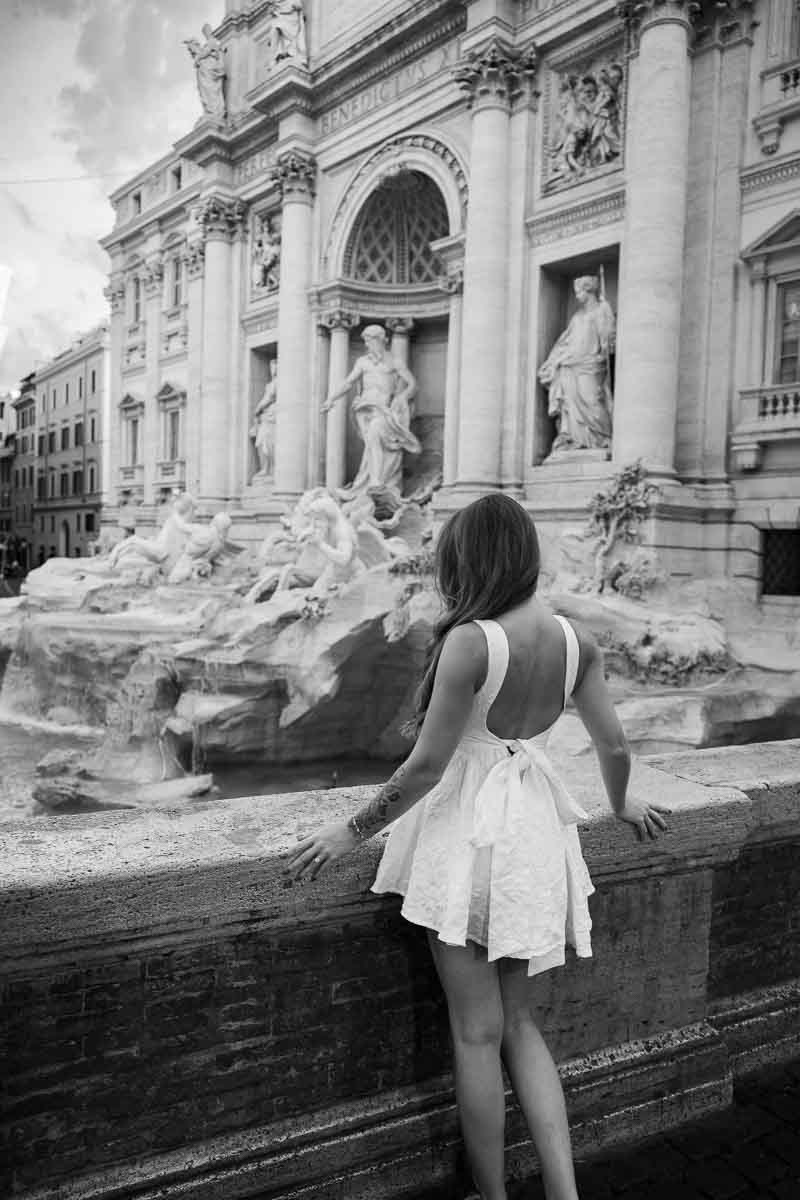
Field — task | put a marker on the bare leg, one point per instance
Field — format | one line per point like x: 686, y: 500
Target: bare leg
x: 536, y: 1082
x: 476, y: 1022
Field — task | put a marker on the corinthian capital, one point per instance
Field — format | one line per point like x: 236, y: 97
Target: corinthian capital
x: 639, y: 14
x: 295, y: 173
x: 339, y: 318
x: 220, y: 216
x: 496, y: 74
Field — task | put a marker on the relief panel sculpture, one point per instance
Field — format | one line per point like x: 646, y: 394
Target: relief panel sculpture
x: 584, y: 122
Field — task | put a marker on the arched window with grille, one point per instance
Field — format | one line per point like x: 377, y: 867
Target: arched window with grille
x: 390, y: 241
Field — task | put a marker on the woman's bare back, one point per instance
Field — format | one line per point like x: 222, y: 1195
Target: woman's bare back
x: 532, y: 694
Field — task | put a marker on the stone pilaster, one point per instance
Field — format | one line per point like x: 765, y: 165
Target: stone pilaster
x: 758, y: 318
x: 491, y: 78
x: 112, y: 448
x: 152, y: 278
x: 339, y: 322
x: 194, y: 263
x: 294, y: 174
x: 656, y: 149
x: 453, y: 283
x: 219, y: 217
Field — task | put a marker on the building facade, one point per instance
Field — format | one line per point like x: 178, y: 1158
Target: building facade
x: 7, y: 452
x: 70, y: 414
x: 448, y: 169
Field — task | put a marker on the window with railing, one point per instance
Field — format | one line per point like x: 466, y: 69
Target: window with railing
x: 65, y: 438
x: 79, y: 433
x: 77, y: 483
x: 64, y: 484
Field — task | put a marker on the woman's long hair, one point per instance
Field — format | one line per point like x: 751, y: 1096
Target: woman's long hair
x: 487, y: 561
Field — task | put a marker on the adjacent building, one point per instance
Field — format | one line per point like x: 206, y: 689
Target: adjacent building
x: 23, y: 488
x: 447, y: 169
x: 71, y: 402
x: 7, y: 451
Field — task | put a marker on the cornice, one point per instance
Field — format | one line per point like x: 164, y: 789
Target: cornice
x: 158, y: 213
x: 783, y: 170
x: 381, y: 53
x: 591, y: 213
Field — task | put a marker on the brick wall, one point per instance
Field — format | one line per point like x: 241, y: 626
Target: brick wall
x: 175, y: 1012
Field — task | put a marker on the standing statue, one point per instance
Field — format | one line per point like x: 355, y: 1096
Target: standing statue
x: 577, y: 372
x: 383, y: 415
x: 266, y: 257
x: 263, y: 429
x: 209, y: 65
x: 288, y: 32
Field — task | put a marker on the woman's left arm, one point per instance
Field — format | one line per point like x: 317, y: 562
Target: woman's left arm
x: 460, y: 672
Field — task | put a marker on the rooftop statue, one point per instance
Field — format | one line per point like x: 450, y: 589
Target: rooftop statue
x: 382, y: 409
x: 209, y: 65
x: 577, y: 375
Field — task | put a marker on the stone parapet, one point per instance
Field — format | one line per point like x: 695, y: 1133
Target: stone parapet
x: 183, y: 1021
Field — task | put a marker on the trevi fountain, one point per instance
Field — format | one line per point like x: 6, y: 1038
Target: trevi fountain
x: 174, y: 669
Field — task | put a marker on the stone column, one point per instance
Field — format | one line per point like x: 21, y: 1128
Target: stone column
x: 400, y: 328
x: 453, y: 283
x: 294, y: 173
x: 112, y: 432
x: 656, y: 149
x: 339, y: 321
x: 219, y: 217
x: 491, y: 78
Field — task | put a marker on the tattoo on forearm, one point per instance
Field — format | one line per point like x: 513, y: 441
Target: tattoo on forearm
x: 380, y: 811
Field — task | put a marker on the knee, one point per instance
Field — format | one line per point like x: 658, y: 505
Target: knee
x: 517, y: 1021
x: 484, y: 1031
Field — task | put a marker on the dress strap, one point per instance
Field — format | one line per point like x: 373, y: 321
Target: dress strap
x: 497, y: 647
x: 573, y: 657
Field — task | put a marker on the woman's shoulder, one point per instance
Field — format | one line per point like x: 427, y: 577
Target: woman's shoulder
x: 465, y: 647
x: 588, y: 649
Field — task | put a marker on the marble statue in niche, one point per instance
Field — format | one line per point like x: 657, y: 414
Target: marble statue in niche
x: 577, y: 372
x: 588, y: 123
x: 382, y: 411
x: 209, y: 65
x: 288, y: 32
x: 262, y: 431
x: 266, y: 261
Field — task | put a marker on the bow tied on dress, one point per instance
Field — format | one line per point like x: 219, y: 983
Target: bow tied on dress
x: 511, y: 786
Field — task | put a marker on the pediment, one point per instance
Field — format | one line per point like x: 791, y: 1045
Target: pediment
x: 130, y: 402
x: 168, y: 393
x: 782, y: 236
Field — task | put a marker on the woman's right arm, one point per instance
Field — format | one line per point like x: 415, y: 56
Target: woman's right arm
x: 596, y: 709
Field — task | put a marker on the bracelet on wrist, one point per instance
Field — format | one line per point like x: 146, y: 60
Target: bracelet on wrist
x: 357, y: 830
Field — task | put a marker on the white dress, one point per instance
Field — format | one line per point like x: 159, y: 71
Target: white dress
x: 491, y: 853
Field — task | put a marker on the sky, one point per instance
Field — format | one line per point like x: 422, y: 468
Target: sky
x: 91, y: 91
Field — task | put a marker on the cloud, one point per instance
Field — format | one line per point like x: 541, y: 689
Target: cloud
x: 136, y: 94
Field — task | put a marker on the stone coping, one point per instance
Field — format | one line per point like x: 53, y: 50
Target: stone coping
x: 76, y: 881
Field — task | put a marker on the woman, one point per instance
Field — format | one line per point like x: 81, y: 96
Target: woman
x: 490, y: 862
